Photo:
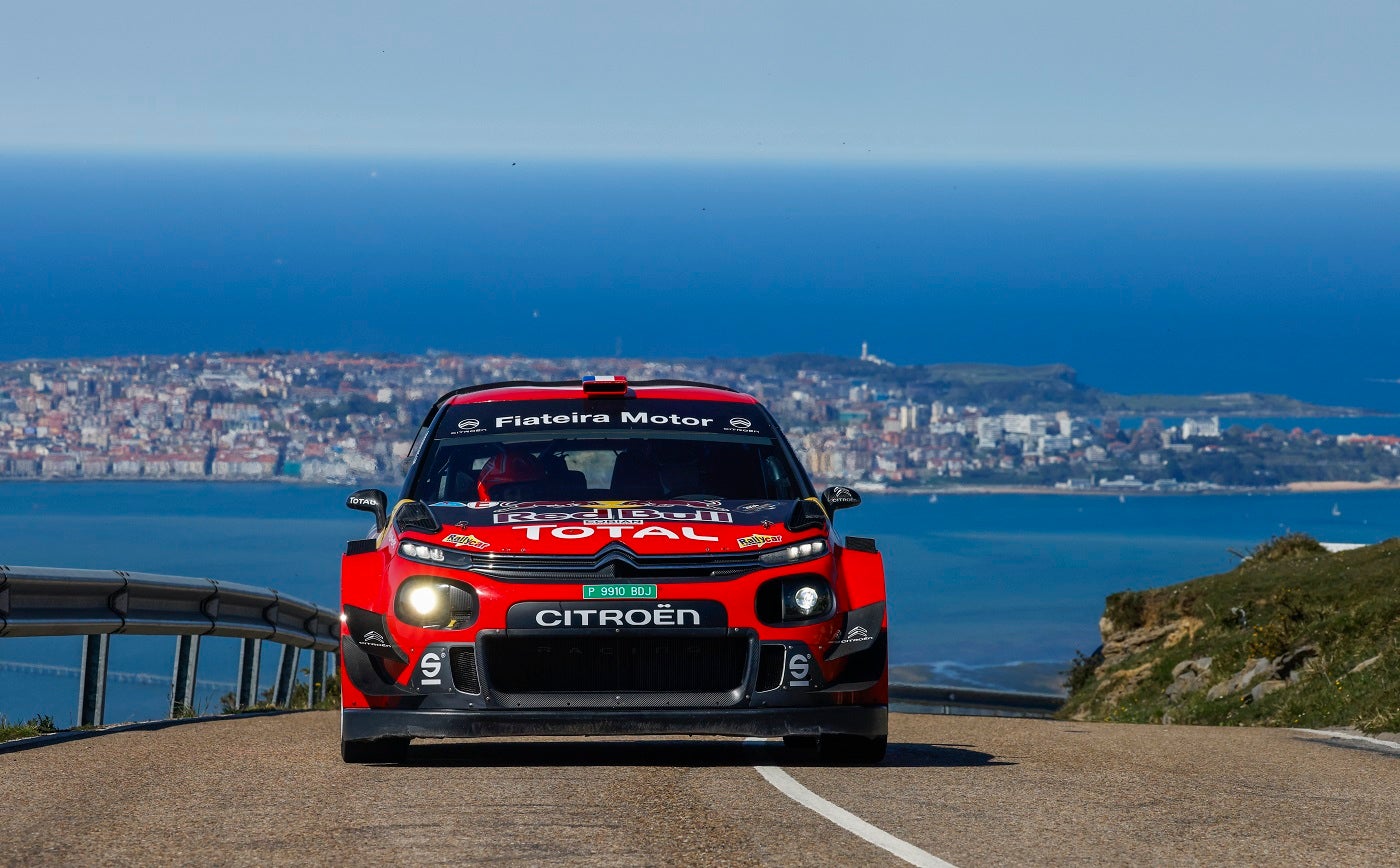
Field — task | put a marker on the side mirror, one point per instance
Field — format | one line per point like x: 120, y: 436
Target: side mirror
x: 371, y: 500
x: 839, y: 497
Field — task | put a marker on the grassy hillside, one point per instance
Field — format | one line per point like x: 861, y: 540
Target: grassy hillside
x: 1294, y: 636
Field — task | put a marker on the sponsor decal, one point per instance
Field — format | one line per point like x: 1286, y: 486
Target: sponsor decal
x: 572, y: 414
x: 456, y: 503
x: 362, y: 501
x: 430, y: 665
x: 625, y: 417
x: 657, y: 419
x: 610, y: 504
x: 799, y: 667
x: 375, y: 639
x: 485, y: 504
x: 754, y: 507
x: 627, y: 514
x: 549, y: 419
x: 465, y: 539
x: 758, y: 539
x: 839, y: 495
x: 535, y: 532
x: 617, y: 618
x: 857, y: 634
x: 611, y: 521
x: 616, y: 615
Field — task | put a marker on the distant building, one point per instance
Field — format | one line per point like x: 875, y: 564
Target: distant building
x: 867, y: 356
x: 1198, y: 427
x: 989, y: 432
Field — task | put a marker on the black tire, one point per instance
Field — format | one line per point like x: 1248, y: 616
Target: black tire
x: 851, y: 750
x: 379, y: 750
x: 801, y: 742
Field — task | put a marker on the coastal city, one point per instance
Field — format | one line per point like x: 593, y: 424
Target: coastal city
x: 339, y: 418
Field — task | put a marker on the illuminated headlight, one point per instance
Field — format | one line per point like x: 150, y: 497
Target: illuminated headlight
x: 806, y: 599
x: 425, y: 599
x: 435, y: 555
x: 443, y: 604
x: 803, y: 551
x: 801, y: 599
x: 422, y: 552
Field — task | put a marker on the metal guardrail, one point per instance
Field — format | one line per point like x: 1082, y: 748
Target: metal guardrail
x: 933, y: 699
x: 96, y: 604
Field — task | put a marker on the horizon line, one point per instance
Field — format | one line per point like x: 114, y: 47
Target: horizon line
x: 777, y: 161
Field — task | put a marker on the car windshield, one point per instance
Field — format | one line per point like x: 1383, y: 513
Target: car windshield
x: 633, y: 450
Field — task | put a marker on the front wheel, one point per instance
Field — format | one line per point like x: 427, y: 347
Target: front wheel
x: 851, y: 750
x: 379, y: 750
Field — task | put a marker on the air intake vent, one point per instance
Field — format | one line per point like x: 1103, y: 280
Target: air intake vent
x: 463, y: 661
x: 770, y: 667
x: 614, y: 664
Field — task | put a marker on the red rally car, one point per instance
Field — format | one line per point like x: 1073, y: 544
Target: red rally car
x: 600, y: 557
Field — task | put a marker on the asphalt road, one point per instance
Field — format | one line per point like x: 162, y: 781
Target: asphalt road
x: 969, y: 790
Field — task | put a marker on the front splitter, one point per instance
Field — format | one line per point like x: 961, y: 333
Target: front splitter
x: 869, y: 721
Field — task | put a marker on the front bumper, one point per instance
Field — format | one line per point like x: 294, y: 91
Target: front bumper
x: 870, y: 721
x: 723, y: 671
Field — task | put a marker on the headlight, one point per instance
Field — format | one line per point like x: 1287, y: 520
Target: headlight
x: 794, y: 600
x: 423, y: 552
x: 806, y: 599
x: 435, y: 555
x: 803, y: 551
x: 426, y: 601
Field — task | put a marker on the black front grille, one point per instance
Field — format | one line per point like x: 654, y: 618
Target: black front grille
x: 463, y: 663
x: 614, y: 664
x: 614, y: 561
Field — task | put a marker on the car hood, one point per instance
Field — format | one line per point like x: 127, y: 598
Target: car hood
x: 585, y: 527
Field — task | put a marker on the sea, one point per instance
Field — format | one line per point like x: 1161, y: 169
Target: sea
x: 995, y: 591
x: 1143, y: 280
x: 1175, y: 281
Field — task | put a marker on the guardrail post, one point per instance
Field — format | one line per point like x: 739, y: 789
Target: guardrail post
x: 287, y: 662
x: 316, y: 690
x: 249, y: 659
x: 182, y: 681
x: 92, y: 680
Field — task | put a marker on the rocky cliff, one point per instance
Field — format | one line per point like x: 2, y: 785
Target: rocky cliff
x: 1294, y: 636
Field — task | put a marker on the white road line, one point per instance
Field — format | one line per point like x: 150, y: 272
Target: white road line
x: 1352, y: 737
x: 788, y: 786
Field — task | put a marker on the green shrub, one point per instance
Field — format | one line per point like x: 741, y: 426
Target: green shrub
x: 1081, y: 670
x: 1126, y: 609
x: 39, y: 724
x: 1285, y: 547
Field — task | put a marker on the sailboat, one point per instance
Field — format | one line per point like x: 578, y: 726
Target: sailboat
x: 1336, y: 511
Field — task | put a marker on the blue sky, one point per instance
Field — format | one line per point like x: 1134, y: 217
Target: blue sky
x: 1261, y: 82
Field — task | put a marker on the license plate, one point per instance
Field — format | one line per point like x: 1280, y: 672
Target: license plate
x: 619, y: 592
